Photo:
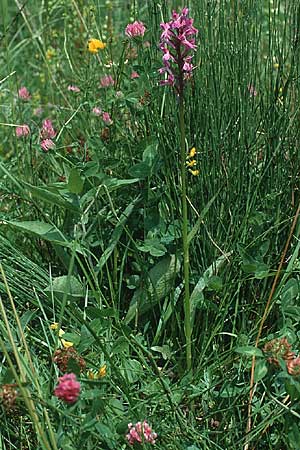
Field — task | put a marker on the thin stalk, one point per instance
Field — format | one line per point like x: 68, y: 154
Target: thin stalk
x: 185, y: 244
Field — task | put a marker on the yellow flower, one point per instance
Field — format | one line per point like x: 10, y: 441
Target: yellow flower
x: 276, y: 65
x: 100, y: 374
x: 194, y: 172
x: 102, y: 371
x: 66, y: 344
x: 61, y: 333
x: 54, y: 326
x: 50, y: 53
x: 94, y: 45
x: 91, y: 375
x: 191, y: 163
x: 192, y: 152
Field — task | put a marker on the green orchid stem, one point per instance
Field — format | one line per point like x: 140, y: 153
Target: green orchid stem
x: 185, y: 245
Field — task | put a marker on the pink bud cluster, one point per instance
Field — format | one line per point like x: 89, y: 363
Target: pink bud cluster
x: 68, y: 388
x: 135, y: 29
x: 47, y: 134
x: 107, y: 81
x: 22, y: 131
x: 24, y: 94
x: 140, y: 432
x: 177, y: 43
x: 47, y: 131
x: 106, y: 118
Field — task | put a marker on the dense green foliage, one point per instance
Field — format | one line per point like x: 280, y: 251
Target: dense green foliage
x: 90, y: 231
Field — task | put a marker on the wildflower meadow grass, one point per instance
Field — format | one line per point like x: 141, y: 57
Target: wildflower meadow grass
x: 149, y: 224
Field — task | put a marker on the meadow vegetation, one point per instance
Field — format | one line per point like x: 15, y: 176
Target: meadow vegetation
x: 149, y: 232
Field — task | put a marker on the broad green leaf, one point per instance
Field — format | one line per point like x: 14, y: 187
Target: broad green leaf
x: 210, y: 273
x: 164, y: 350
x: 140, y: 170
x: 117, y: 233
x: 71, y: 337
x: 160, y: 282
x: 42, y: 229
x: 68, y: 285
x: 86, y: 339
x: 167, y: 311
x: 131, y: 369
x: 120, y: 346
x: 75, y: 182
x: 49, y: 196
x: 261, y: 369
x: 249, y: 350
x: 230, y: 390
x: 108, y: 183
x: 150, y: 154
x: 215, y: 283
x: 289, y: 292
x: 153, y: 246
x: 114, y: 183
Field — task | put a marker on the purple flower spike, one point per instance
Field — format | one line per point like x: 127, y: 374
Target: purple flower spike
x: 177, y: 41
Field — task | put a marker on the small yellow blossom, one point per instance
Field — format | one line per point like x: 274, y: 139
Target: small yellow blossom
x: 192, y: 152
x: 194, y: 172
x: 102, y: 371
x: 191, y: 163
x: 276, y: 65
x: 91, y: 375
x: 50, y: 53
x: 94, y: 45
x: 61, y: 332
x: 66, y: 344
x: 100, y: 374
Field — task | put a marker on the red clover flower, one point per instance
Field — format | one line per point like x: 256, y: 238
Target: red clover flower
x: 135, y: 29
x: 106, y: 118
x: 140, y: 432
x: 106, y: 81
x: 24, y: 94
x: 47, y: 144
x: 68, y: 388
x: 177, y: 43
x: 22, y: 131
x: 47, y: 131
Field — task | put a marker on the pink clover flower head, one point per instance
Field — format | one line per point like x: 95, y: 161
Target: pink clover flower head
x: 47, y: 144
x: 140, y: 432
x: 134, y: 75
x: 73, y: 88
x: 107, y: 81
x: 47, y: 131
x: 97, y: 111
x: 135, y: 29
x: 22, y: 131
x: 24, y: 94
x: 177, y: 42
x: 68, y: 388
x: 106, y: 118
